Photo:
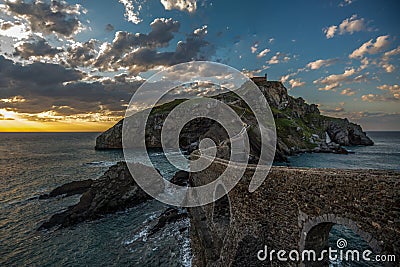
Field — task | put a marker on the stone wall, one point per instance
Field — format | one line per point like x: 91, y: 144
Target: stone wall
x: 294, y: 209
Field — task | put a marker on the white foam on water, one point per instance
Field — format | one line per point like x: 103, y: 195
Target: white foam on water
x: 101, y: 163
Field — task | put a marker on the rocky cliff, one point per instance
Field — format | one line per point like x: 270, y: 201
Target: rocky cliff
x: 300, y: 126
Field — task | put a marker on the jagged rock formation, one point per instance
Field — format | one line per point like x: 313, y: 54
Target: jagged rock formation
x: 115, y: 190
x: 69, y: 189
x: 300, y: 126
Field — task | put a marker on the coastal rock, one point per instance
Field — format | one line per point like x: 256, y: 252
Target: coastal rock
x: 69, y: 189
x: 170, y: 215
x: 345, y: 133
x: 180, y: 178
x: 297, y: 126
x: 114, y: 191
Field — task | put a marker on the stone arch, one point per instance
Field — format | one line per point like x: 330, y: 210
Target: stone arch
x: 221, y: 213
x: 315, y: 233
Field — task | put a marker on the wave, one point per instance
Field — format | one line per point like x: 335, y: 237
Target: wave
x: 101, y: 163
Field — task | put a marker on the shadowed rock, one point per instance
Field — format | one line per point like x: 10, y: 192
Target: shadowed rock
x: 180, y: 178
x: 115, y: 190
x: 69, y: 189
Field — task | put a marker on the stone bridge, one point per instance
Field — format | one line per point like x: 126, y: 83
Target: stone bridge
x: 294, y: 209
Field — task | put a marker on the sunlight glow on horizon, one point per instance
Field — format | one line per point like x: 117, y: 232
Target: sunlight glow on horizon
x: 11, y: 122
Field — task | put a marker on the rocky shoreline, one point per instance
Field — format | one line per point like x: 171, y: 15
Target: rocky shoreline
x: 114, y: 191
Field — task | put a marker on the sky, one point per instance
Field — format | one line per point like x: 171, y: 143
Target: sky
x: 74, y: 65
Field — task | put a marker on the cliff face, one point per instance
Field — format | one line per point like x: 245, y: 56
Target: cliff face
x: 300, y: 126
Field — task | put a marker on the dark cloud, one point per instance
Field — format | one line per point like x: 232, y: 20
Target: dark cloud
x: 82, y: 54
x: 50, y: 87
x: 37, y: 48
x: 37, y: 73
x: 145, y: 57
x: 54, y: 17
x: 109, y: 27
x: 161, y: 33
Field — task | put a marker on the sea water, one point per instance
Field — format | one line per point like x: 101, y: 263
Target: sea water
x: 35, y: 163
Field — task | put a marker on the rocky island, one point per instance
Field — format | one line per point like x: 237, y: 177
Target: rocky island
x: 300, y: 126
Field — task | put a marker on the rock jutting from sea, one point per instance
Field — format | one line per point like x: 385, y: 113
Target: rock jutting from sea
x: 300, y: 127
x: 115, y: 190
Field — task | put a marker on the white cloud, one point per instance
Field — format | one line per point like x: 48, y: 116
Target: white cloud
x: 393, y: 89
x: 271, y: 40
x: 263, y: 53
x: 391, y: 93
x: 132, y: 13
x: 285, y: 78
x: 347, y: 92
x: 372, y: 98
x: 296, y: 83
x: 330, y: 86
x: 182, y: 5
x: 386, y: 58
x: 254, y: 48
x: 317, y: 64
x: 370, y: 47
x: 352, y: 25
x: 330, y: 31
x: 278, y: 57
x: 273, y: 60
x: 338, y: 77
x: 334, y: 81
x: 201, y: 31
x: 346, y: 3
x: 349, y: 25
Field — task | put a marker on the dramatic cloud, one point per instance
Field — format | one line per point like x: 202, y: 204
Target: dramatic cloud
x: 371, y: 47
x: 349, y: 25
x: 131, y: 12
x: 14, y: 29
x: 161, y: 33
x: 6, y: 25
x: 137, y: 52
x: 48, y: 91
x: 263, y: 53
x: 37, y: 48
x: 193, y: 48
x: 182, y: 5
x: 55, y: 17
x: 81, y: 54
x: 315, y: 65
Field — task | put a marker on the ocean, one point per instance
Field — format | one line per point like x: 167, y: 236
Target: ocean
x: 35, y: 163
